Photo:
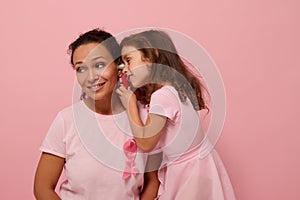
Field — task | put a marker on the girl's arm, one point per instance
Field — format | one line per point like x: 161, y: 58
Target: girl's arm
x: 146, y: 135
x: 151, y: 185
x: 151, y: 182
x: 47, y: 174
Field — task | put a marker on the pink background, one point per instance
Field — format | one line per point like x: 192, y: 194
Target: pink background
x: 254, y: 43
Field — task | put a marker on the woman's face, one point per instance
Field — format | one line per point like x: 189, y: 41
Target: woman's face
x: 136, y: 66
x: 95, y: 70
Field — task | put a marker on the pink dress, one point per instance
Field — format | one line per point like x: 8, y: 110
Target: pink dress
x: 92, y: 145
x: 184, y: 173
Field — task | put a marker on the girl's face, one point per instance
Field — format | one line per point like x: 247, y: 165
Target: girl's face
x: 95, y: 70
x: 136, y: 66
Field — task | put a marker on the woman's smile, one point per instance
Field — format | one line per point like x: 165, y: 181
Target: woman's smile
x: 96, y: 87
x: 96, y: 72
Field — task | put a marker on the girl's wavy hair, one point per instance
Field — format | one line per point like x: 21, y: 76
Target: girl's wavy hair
x: 167, y: 66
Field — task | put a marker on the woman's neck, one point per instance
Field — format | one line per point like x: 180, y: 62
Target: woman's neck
x: 106, y: 106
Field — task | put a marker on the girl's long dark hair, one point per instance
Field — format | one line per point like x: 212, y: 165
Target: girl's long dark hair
x: 167, y: 66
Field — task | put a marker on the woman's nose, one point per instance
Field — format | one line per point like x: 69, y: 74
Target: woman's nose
x: 93, y: 76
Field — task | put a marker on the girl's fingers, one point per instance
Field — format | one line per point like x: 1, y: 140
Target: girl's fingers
x: 121, y: 88
x: 119, y: 91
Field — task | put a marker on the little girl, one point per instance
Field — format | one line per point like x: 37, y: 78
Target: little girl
x: 173, y: 95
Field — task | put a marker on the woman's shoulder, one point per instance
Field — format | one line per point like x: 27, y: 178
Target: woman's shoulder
x: 68, y: 112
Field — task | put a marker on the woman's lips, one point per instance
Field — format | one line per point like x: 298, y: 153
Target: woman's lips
x: 96, y: 87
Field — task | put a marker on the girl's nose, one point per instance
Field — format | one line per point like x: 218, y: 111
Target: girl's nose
x: 125, y: 69
x: 121, y: 67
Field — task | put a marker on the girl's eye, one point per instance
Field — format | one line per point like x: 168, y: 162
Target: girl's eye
x: 128, y: 61
x: 100, y: 65
x: 80, y: 69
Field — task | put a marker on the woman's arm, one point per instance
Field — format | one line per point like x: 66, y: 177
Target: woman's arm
x: 47, y: 174
x: 146, y: 135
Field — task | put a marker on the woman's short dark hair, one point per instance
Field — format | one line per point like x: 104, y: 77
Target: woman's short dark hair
x: 97, y: 36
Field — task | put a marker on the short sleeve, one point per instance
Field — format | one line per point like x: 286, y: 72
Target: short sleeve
x: 54, y: 140
x: 165, y: 103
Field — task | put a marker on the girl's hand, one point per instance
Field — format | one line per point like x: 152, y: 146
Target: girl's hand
x: 127, y: 97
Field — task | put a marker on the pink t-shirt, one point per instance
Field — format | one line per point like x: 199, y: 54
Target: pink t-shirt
x: 188, y: 174
x: 92, y: 145
x: 183, y: 129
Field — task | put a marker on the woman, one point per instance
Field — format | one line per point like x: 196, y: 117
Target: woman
x: 85, y: 139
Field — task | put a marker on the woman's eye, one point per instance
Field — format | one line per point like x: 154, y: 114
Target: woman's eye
x: 128, y: 61
x: 80, y: 69
x: 100, y: 65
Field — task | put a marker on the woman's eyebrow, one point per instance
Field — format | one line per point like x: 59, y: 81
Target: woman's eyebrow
x: 78, y: 62
x: 92, y: 59
x: 95, y: 58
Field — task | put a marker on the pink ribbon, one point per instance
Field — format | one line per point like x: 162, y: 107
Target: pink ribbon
x: 130, y: 149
